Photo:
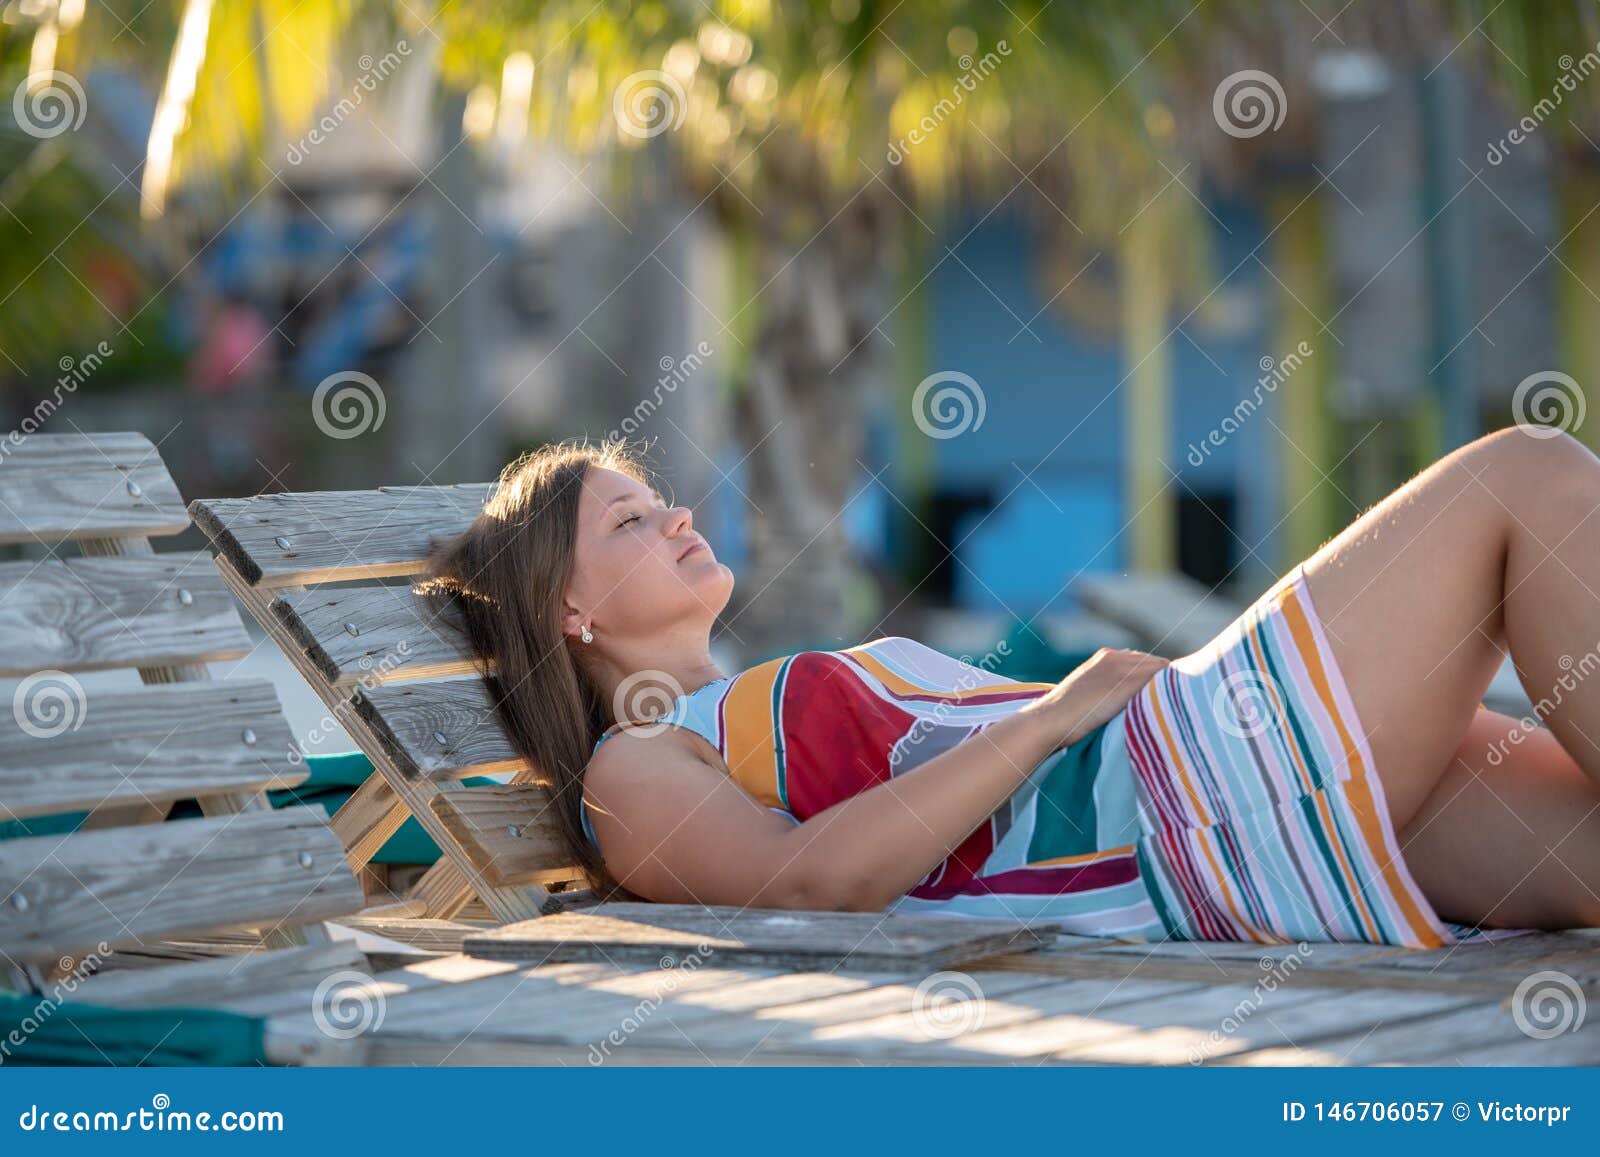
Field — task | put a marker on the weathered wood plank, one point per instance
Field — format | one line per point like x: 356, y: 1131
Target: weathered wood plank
x: 452, y: 883
x: 60, y: 487
x: 803, y: 1025
x: 510, y: 832
x: 86, y: 614
x: 335, y: 535
x: 438, y: 729
x: 148, y: 744
x: 419, y: 932
x: 362, y: 636
x: 1435, y: 1040
x: 222, y: 979
x: 131, y: 884
x: 729, y: 937
x: 1171, y: 613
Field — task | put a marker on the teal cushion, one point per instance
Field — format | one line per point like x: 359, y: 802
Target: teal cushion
x: 332, y: 781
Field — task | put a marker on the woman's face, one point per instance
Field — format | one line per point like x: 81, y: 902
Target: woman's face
x: 640, y: 566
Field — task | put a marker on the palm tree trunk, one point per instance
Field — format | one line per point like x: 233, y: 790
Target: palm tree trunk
x: 801, y: 415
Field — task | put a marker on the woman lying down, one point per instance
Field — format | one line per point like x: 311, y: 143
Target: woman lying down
x: 1321, y: 770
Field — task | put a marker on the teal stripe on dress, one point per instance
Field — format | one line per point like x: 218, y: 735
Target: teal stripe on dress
x: 1314, y: 824
x: 782, y: 768
x: 1064, y: 811
x: 1286, y: 688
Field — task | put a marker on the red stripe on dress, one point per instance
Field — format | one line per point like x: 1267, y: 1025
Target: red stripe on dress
x: 1051, y: 881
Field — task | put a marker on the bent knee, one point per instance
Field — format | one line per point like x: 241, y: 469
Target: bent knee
x: 1535, y: 465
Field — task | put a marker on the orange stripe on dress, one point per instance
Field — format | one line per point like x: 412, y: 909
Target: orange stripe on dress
x: 749, y: 724
x: 1356, y: 786
x: 903, y: 686
x: 1083, y: 858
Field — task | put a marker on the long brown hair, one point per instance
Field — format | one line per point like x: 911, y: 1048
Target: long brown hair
x: 508, y: 574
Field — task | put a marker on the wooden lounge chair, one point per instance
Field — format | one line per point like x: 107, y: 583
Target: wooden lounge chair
x: 124, y: 754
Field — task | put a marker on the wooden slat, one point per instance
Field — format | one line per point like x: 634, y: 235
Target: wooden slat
x: 86, y: 614
x: 222, y: 979
x: 438, y: 728
x: 1171, y: 613
x: 746, y: 937
x: 147, y: 744
x: 66, y: 894
x: 335, y: 535
x: 361, y: 636
x: 58, y: 487
x: 452, y: 884
x: 510, y: 832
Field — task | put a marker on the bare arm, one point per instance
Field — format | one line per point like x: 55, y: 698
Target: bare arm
x: 675, y: 828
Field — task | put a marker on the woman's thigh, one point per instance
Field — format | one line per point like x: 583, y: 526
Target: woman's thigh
x: 1409, y: 597
x: 1510, y: 837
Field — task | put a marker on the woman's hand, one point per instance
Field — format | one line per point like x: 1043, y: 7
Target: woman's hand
x: 1094, y: 693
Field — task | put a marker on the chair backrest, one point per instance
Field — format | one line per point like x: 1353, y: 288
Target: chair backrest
x: 125, y: 753
x: 400, y: 676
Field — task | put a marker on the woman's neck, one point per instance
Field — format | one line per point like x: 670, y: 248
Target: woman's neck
x: 643, y: 672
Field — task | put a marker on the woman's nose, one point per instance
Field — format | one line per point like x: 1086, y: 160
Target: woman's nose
x: 680, y: 520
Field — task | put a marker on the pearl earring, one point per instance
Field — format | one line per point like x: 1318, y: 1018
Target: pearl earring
x: 587, y: 636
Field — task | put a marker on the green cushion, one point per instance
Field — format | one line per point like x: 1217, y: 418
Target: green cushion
x: 333, y: 780
x: 68, y: 1033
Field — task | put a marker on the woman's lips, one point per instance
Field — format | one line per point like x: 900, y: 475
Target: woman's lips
x: 694, y: 548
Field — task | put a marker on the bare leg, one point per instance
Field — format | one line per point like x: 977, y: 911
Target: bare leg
x: 1511, y: 836
x: 1499, y: 543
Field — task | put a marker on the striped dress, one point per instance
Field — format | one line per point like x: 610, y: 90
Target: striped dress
x: 1232, y: 799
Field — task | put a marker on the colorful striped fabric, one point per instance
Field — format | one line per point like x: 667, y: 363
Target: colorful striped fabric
x: 1232, y: 800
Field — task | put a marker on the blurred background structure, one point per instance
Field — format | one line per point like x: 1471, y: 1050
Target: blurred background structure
x: 930, y: 308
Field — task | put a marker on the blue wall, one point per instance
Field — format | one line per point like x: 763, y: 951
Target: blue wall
x: 1049, y: 451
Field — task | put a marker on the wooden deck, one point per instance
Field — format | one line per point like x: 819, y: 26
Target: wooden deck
x: 1073, y: 1001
